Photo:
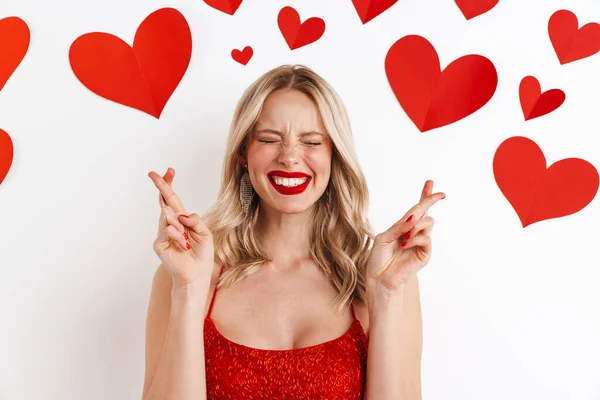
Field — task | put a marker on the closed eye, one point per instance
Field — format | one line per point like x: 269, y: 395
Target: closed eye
x: 273, y: 141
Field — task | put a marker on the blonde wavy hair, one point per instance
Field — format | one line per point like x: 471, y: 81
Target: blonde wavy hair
x: 341, y: 237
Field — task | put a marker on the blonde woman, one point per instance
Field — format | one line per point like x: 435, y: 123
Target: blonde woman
x: 280, y: 290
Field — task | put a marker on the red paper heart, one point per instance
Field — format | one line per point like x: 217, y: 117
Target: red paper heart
x: 226, y: 6
x: 298, y: 34
x: 571, y: 43
x: 474, y: 8
x: 14, y: 42
x: 434, y: 98
x: 242, y: 56
x: 538, y: 193
x: 143, y: 76
x: 369, y: 9
x: 6, y: 154
x: 534, y: 103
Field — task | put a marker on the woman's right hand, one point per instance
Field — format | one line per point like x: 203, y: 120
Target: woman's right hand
x: 188, y: 264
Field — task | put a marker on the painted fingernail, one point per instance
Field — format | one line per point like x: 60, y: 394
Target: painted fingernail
x: 407, y: 235
x: 409, y: 218
x: 185, y: 235
x: 188, y: 246
x: 403, y: 244
x: 443, y: 197
x: 185, y: 216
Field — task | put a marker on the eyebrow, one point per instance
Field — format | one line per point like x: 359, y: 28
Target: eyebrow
x: 276, y: 132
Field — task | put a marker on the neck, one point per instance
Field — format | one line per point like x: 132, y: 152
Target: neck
x: 285, y: 237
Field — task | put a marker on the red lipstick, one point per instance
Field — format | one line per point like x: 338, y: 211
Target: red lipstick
x: 285, y: 174
x: 289, y: 190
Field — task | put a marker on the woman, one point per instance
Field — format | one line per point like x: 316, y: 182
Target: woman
x: 304, y: 288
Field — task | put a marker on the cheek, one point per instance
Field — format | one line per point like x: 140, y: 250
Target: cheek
x: 319, y: 160
x: 263, y: 154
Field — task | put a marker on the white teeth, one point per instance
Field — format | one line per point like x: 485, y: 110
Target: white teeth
x: 289, y: 182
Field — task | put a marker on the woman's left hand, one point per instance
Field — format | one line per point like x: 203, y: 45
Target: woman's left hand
x: 404, y: 249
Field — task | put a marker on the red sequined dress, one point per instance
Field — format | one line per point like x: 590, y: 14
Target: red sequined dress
x: 334, y: 370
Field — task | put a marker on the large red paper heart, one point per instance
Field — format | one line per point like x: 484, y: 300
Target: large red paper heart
x: 298, y: 34
x: 571, y: 43
x: 6, y: 154
x: 534, y: 103
x: 242, y: 56
x: 226, y: 6
x: 14, y: 42
x: 143, y: 76
x: 474, y: 8
x: 369, y: 9
x: 433, y: 98
x: 538, y: 193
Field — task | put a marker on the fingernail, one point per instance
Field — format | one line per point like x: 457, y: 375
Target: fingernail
x: 188, y: 246
x: 185, y: 235
x: 409, y: 218
x: 403, y: 244
x: 443, y: 197
x: 185, y: 216
x: 407, y: 235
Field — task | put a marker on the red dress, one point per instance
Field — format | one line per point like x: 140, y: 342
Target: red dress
x: 334, y: 370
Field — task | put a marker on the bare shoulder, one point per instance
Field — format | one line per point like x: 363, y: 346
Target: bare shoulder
x: 213, y: 283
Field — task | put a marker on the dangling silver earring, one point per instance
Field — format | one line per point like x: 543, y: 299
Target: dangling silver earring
x: 246, y: 191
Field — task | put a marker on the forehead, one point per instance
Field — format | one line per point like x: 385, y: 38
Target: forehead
x: 285, y: 109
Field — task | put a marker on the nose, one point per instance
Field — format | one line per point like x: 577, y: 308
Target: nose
x: 289, y: 155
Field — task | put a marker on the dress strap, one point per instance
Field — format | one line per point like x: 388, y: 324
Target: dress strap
x: 214, y: 294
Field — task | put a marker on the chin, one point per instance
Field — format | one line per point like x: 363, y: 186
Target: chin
x: 292, y: 209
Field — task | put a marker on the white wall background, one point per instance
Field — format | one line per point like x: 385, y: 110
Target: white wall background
x: 509, y: 313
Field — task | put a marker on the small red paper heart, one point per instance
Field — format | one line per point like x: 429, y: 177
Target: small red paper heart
x: 298, y: 34
x: 242, y: 56
x: 14, y: 43
x: 143, y: 76
x: 433, y: 98
x: 534, y: 103
x: 6, y: 154
x: 538, y: 193
x: 226, y: 6
x: 570, y: 42
x: 474, y: 8
x: 369, y: 9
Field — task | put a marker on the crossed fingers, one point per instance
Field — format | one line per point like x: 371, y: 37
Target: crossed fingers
x: 167, y: 196
x: 420, y: 209
x: 415, y: 222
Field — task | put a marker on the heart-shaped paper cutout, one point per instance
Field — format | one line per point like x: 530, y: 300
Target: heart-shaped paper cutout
x: 298, y: 34
x: 433, y: 98
x: 226, y: 6
x: 473, y: 8
x: 369, y: 9
x: 570, y: 42
x: 6, y: 154
x: 538, y: 193
x: 14, y: 42
x: 534, y: 103
x: 143, y: 76
x: 242, y: 56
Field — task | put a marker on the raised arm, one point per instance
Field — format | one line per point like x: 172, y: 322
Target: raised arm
x: 175, y: 367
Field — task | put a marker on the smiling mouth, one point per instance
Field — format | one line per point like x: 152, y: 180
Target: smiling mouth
x: 299, y: 181
x: 290, y: 190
